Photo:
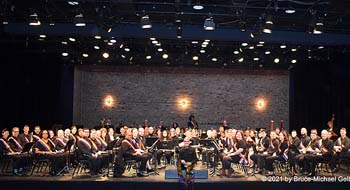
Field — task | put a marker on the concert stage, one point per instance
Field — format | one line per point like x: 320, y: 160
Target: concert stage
x: 158, y: 182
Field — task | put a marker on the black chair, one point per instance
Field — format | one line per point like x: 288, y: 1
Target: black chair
x: 82, y: 164
x: 5, y: 162
x: 40, y: 164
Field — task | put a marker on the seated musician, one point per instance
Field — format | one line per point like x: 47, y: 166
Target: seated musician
x: 160, y: 152
x: 323, y: 152
x: 341, y: 148
x: 45, y: 149
x: 14, y: 140
x: 259, y: 158
x: 207, y: 152
x: 25, y: 137
x: 89, y: 151
x: 304, y: 150
x: 151, y: 132
x: 36, y: 133
x: 130, y: 151
x: 293, y: 150
x: 111, y: 136
x: 236, y: 156
x: 186, y: 160
x: 281, y: 154
x: 80, y: 134
x: 99, y: 141
x: 227, y: 143
x: 8, y: 152
x: 60, y: 141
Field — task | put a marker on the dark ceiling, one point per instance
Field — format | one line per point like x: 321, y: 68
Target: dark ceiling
x: 291, y: 38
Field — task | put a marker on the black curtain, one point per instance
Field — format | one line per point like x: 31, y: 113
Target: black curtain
x: 318, y: 90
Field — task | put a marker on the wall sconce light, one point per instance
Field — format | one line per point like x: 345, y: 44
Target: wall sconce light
x: 261, y: 104
x: 109, y: 101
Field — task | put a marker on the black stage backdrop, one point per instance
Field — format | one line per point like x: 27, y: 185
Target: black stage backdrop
x: 37, y: 88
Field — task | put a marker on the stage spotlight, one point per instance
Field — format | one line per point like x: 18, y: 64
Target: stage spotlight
x: 194, y: 42
x: 283, y: 46
x: 160, y: 49
x: 148, y: 57
x: 251, y: 47
x: 65, y: 54
x: 195, y: 58
x: 318, y: 28
x: 34, y: 20
x: 145, y: 22
x: 110, y: 43
x: 126, y: 49
x: 165, y: 56
x: 42, y: 36
x: 202, y: 51
x: 290, y: 10
x: 320, y: 47
x: 294, y: 49
x: 183, y: 103
x: 152, y: 39
x: 214, y: 59
x: 105, y: 55
x: 241, y: 59
x: 256, y: 58
x: 209, y: 24
x: 98, y: 37
x: 252, y: 35
x: 96, y: 47
x: 79, y: 20
x: 293, y: 61
x: 64, y: 42
x: 85, y: 55
x: 276, y: 60
x: 267, y: 30
x: 198, y: 6
x: 236, y: 52
x: 72, y: 39
x: 73, y: 3
x: 113, y: 40
x: 244, y: 44
x: 269, y: 20
x: 267, y: 52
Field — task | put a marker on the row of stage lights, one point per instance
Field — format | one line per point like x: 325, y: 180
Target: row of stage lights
x: 195, y: 58
x: 264, y: 25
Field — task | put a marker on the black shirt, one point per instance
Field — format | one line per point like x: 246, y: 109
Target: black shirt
x: 188, y: 154
x: 242, y: 144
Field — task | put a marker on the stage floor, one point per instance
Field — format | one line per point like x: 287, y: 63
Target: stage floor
x: 158, y: 182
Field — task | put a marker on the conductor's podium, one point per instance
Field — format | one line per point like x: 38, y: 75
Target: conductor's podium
x: 198, y: 174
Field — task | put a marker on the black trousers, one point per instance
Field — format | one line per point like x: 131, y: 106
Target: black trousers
x: 259, y: 159
x: 227, y: 160
x: 143, y: 158
x: 58, y: 161
x: 269, y: 162
x: 168, y: 155
x: 312, y: 160
x: 94, y: 163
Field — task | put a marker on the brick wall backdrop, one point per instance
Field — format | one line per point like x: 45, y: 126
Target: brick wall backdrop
x: 212, y: 94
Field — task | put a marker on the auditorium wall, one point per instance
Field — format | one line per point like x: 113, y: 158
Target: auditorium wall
x: 245, y: 98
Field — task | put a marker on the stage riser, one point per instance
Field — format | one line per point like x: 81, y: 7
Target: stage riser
x: 198, y: 174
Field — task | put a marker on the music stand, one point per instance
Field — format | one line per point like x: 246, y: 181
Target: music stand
x: 150, y: 141
x: 27, y: 147
x: 216, y: 149
x: 68, y: 147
